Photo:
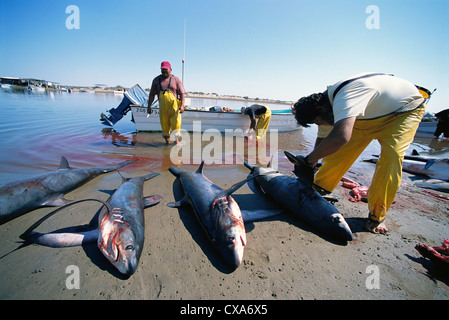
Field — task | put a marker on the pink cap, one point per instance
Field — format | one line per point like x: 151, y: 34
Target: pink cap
x: 165, y: 65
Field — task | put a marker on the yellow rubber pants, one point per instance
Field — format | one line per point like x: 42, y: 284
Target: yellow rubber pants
x: 395, y: 133
x: 169, y: 114
x: 262, y: 124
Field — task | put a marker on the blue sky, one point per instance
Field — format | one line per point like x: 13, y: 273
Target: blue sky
x: 279, y: 49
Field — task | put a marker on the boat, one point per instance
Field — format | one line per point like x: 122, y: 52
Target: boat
x: 428, y: 126
x: 199, y: 120
x: 136, y: 99
x: 6, y: 86
x: 429, y: 122
x: 35, y: 88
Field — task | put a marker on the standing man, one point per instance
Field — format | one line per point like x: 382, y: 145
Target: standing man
x: 362, y: 108
x: 169, y: 88
x: 263, y: 114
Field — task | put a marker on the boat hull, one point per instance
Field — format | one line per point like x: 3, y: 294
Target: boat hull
x: 428, y: 127
x: 195, y: 120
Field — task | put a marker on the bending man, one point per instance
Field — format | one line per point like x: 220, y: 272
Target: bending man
x: 359, y: 109
x: 263, y: 114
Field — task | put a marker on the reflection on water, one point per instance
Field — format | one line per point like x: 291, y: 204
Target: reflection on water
x: 37, y: 129
x: 195, y: 147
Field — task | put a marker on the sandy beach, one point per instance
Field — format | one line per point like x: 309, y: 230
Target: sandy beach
x: 284, y: 259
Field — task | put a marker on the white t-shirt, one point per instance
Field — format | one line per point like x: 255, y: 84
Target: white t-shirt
x: 372, y: 97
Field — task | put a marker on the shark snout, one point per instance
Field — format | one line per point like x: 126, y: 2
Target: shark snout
x: 234, y: 250
x: 131, y: 267
x: 127, y: 266
x: 343, y: 231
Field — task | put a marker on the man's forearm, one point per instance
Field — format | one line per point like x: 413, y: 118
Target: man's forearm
x: 338, y: 137
x: 328, y: 146
x: 150, y: 102
x: 253, y: 124
x: 183, y: 101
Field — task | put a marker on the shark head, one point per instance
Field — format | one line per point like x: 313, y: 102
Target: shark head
x: 119, y: 244
x: 231, y: 235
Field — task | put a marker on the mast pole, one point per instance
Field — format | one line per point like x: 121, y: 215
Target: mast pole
x: 184, y: 56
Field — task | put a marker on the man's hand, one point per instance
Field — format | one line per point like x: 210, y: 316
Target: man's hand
x: 303, y: 169
x: 298, y: 160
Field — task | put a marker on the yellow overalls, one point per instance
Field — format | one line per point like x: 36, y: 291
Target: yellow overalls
x: 169, y: 114
x: 395, y: 133
x: 262, y: 123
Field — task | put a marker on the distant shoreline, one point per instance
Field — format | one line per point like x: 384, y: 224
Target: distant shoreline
x: 188, y: 95
x: 234, y: 98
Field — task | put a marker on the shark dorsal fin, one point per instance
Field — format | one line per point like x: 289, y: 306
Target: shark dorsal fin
x: 200, y: 168
x: 270, y: 164
x: 64, y: 164
x: 249, y: 165
x: 124, y: 179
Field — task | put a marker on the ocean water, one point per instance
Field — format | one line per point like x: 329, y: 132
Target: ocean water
x: 36, y: 129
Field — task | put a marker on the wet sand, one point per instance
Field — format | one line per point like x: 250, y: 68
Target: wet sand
x: 284, y: 259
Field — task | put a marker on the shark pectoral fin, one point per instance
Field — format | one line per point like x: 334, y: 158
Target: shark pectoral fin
x: 151, y: 176
x: 177, y: 204
x: 258, y: 215
x: 152, y: 200
x: 56, y: 202
x: 118, y: 166
x: 235, y: 187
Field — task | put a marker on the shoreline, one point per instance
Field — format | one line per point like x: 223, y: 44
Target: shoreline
x: 190, y: 95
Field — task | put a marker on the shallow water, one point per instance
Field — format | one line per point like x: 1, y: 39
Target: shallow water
x: 37, y: 129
